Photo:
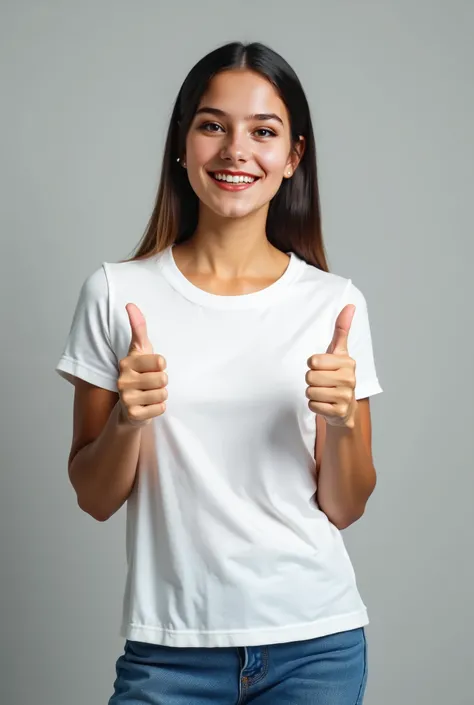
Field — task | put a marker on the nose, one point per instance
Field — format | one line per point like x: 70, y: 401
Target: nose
x: 234, y: 149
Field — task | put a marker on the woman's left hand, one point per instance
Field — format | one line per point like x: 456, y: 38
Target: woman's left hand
x: 331, y: 377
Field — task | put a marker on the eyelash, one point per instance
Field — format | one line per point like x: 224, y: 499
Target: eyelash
x: 215, y: 124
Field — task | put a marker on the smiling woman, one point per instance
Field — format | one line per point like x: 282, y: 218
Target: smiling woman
x: 240, y: 111
x: 241, y: 467
x: 251, y: 129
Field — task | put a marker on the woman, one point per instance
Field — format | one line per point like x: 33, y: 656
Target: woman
x: 222, y: 381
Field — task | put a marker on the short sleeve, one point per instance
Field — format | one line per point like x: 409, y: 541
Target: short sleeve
x: 360, y: 344
x: 88, y: 352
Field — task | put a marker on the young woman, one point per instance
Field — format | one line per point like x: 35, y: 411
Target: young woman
x: 222, y: 381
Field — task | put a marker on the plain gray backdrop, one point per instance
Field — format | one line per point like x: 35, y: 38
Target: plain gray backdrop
x: 87, y: 89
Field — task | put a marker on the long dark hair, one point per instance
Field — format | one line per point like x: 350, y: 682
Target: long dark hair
x: 294, y: 216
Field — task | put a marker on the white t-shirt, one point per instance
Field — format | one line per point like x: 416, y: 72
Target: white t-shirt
x: 225, y: 543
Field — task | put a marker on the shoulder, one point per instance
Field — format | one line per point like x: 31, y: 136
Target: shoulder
x: 95, y: 284
x: 335, y: 286
x: 353, y: 295
x: 109, y: 277
x: 333, y: 290
x: 129, y: 271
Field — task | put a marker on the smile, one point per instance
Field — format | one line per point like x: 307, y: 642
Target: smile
x: 233, y: 181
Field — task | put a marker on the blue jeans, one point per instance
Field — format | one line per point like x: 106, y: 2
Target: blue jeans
x: 328, y: 670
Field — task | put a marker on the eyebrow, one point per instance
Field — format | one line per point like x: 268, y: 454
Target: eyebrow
x: 258, y: 116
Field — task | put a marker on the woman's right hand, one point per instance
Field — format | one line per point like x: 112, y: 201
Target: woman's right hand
x: 142, y: 380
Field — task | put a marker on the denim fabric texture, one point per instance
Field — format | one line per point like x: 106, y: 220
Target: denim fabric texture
x: 328, y: 670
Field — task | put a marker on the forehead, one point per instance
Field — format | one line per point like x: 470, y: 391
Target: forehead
x: 243, y: 92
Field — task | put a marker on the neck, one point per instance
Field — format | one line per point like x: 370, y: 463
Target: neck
x: 231, y: 247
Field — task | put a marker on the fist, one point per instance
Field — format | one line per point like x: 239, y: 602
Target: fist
x: 331, y: 377
x: 142, y: 380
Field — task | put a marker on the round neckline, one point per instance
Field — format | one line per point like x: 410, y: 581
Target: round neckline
x: 190, y: 291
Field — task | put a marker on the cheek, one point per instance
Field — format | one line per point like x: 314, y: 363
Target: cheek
x: 197, y: 156
x: 274, y: 162
x: 200, y: 150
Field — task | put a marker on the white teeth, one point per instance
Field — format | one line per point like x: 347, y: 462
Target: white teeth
x: 234, y: 179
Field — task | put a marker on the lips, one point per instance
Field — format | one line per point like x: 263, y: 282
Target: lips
x: 233, y: 180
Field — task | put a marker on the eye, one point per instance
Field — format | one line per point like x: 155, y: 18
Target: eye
x: 269, y: 133
x: 210, y: 127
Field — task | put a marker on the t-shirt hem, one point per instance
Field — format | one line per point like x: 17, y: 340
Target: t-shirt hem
x: 258, y: 637
x: 68, y: 368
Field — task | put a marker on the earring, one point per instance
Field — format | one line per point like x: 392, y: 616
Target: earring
x: 289, y: 172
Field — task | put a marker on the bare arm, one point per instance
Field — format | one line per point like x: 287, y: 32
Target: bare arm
x: 107, y: 425
x: 104, y: 453
x: 344, y: 465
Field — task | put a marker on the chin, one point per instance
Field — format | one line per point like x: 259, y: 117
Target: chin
x: 233, y: 210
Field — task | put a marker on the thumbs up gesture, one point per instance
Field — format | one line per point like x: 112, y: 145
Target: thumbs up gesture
x: 331, y: 376
x: 142, y: 380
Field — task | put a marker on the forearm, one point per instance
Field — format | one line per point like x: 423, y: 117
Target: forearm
x: 103, y: 472
x: 346, y: 477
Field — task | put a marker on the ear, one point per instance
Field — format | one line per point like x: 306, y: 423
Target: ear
x: 295, y: 157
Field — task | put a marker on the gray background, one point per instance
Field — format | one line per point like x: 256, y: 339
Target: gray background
x: 87, y: 90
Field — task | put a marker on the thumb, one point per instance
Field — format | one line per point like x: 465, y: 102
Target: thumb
x: 139, y: 341
x: 338, y: 344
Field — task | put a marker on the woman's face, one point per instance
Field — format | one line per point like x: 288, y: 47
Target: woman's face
x: 238, y: 148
